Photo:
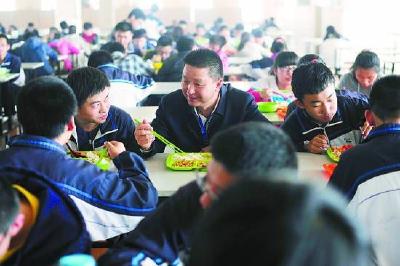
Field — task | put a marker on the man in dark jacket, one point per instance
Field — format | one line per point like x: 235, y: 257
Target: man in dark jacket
x: 248, y: 150
x: 111, y: 202
x: 191, y: 116
x: 38, y: 221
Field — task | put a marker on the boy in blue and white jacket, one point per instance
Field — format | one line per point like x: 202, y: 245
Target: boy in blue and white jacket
x: 322, y: 117
x: 368, y: 174
x: 110, y: 202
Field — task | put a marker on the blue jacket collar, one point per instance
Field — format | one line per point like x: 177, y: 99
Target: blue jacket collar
x: 382, y: 130
x: 36, y: 142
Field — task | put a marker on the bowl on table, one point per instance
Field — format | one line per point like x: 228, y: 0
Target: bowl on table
x: 267, y: 107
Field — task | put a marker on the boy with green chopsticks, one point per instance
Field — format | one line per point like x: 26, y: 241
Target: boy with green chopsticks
x: 97, y: 121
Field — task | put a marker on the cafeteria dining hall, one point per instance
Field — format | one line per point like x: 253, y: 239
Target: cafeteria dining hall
x: 169, y: 132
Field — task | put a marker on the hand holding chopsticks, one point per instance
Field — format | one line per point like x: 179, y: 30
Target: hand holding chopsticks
x: 145, y: 134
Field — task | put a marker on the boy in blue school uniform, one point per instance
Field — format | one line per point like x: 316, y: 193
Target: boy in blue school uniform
x: 110, y: 202
x: 97, y: 121
x: 368, y: 174
x: 322, y: 117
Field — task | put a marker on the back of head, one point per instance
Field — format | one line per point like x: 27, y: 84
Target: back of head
x: 311, y: 79
x: 123, y: 26
x: 257, y: 33
x: 87, y: 25
x: 285, y: 58
x: 218, y: 40
x: 253, y: 149
x: 205, y: 58
x: 87, y: 82
x: 45, y: 105
x: 278, y: 45
x: 113, y: 47
x: 137, y: 13
x: 9, y: 205
x: 98, y: 58
x: 184, y: 44
x: 367, y: 60
x: 72, y: 29
x: 30, y: 34
x: 270, y: 222
x: 310, y: 58
x: 385, y: 97
x: 63, y: 25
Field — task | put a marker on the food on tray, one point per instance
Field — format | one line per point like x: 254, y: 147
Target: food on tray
x: 99, y: 157
x: 329, y: 168
x: 188, y: 161
x: 334, y: 152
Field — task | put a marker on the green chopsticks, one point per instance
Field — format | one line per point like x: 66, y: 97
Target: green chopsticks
x: 162, y: 139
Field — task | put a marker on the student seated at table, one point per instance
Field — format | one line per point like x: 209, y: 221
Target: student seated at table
x: 39, y: 223
x: 322, y: 118
x: 279, y: 79
x: 368, y: 174
x: 103, y: 61
x: 191, y: 116
x: 111, y: 202
x: 35, y: 50
x: 10, y: 61
x: 363, y: 73
x: 171, y: 70
x: 97, y: 121
x: 257, y: 222
x: 243, y: 151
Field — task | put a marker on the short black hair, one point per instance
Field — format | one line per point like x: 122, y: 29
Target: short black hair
x: 137, y: 13
x: 275, y: 222
x: 385, y: 97
x: 72, y: 29
x: 63, y: 25
x: 113, y: 47
x: 140, y: 33
x: 45, y: 105
x: 98, y: 58
x: 310, y: 58
x: 311, y: 79
x: 185, y: 43
x: 252, y: 149
x: 9, y: 204
x: 87, y: 25
x: 278, y: 45
x: 123, y: 26
x: 164, y: 40
x: 87, y: 82
x: 4, y: 36
x: 206, y: 58
x: 218, y: 39
x: 367, y: 59
x: 285, y: 58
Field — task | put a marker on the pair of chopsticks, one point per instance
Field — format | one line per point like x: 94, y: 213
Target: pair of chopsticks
x: 162, y: 139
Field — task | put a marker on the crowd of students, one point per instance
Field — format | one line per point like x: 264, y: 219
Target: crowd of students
x: 249, y: 208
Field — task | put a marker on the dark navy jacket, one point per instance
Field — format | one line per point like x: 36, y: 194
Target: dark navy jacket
x: 118, y: 126
x: 12, y: 62
x: 343, y: 129
x: 114, y: 73
x: 110, y: 201
x: 178, y: 122
x: 163, y: 235
x: 59, y: 228
x: 369, y: 176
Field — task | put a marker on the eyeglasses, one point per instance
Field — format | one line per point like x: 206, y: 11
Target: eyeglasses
x: 287, y: 68
x: 206, y: 187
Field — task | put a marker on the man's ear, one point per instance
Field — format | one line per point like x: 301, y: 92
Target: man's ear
x: 71, y: 124
x: 369, y: 117
x: 219, y: 84
x: 299, y: 104
x: 17, y: 224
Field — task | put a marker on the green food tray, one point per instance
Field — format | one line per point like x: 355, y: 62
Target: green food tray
x: 331, y: 155
x: 193, y: 161
x: 104, y: 163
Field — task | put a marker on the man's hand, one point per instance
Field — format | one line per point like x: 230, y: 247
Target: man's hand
x: 365, y: 129
x: 143, y: 135
x: 114, y: 148
x: 318, y: 144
